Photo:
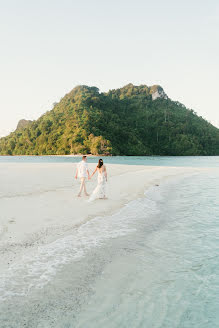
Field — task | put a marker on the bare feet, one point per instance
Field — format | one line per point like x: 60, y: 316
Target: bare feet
x: 79, y: 195
x: 86, y: 194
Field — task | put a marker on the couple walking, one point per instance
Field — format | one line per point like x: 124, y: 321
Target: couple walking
x: 82, y: 172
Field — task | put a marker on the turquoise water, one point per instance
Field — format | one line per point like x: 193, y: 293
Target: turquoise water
x: 194, y: 161
x: 153, y: 264
x: 167, y: 273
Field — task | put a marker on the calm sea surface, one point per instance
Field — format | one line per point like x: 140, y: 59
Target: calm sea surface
x: 155, y: 263
x: 194, y: 161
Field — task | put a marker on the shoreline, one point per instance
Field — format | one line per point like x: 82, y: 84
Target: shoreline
x: 103, y: 155
x: 35, y: 215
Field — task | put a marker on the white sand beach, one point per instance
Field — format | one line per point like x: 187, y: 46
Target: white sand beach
x: 39, y: 203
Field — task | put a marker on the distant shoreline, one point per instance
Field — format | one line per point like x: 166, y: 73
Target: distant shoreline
x: 89, y: 155
x: 102, y: 155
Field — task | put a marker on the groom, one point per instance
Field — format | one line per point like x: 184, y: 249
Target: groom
x: 82, y: 172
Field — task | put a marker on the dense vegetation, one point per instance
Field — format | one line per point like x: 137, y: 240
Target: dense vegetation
x: 124, y: 121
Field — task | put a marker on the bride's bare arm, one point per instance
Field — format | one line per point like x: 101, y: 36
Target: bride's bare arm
x: 93, y: 172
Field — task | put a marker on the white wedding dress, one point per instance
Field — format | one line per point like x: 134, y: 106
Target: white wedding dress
x: 100, y: 190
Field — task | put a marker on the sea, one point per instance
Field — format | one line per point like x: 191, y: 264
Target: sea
x: 152, y: 264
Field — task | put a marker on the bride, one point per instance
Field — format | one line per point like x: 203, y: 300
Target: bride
x: 100, y: 190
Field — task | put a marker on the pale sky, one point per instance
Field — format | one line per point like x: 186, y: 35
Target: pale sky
x: 49, y: 46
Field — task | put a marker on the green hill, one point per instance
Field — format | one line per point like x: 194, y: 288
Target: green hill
x: 133, y: 120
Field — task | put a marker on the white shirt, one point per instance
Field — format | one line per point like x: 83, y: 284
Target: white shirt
x: 82, y: 169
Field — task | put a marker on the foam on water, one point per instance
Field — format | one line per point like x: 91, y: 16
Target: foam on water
x: 36, y: 271
x: 171, y: 279
x: 152, y: 264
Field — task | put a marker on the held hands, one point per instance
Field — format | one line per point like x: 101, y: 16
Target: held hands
x: 90, y: 176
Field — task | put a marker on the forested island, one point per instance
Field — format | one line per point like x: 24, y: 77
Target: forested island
x: 133, y: 120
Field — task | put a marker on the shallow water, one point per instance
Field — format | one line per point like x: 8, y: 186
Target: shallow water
x: 155, y: 263
x: 193, y: 161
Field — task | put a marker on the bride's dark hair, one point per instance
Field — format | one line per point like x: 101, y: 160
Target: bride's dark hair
x: 100, y: 163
